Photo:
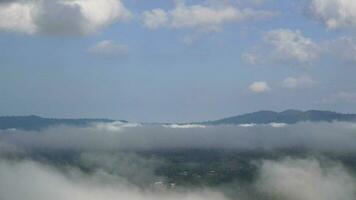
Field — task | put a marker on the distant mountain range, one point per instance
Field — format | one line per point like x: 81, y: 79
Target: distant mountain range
x: 287, y: 117
x: 36, y: 123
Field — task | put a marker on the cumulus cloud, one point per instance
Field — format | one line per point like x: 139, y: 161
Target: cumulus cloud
x: 155, y: 18
x: 17, y: 17
x: 305, y: 179
x: 343, y: 49
x: 108, y: 48
x: 60, y: 17
x: 303, y: 81
x: 250, y: 58
x: 343, y: 96
x: 284, y: 46
x: 291, y: 45
x: 335, y: 13
x: 259, y: 87
x: 206, y: 16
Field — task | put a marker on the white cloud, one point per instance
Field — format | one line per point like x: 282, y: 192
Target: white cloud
x: 17, y: 17
x: 109, y: 48
x: 185, y: 126
x: 247, y: 125
x: 189, y: 39
x: 283, y: 46
x: 343, y: 49
x: 60, y: 17
x: 55, y: 184
x: 259, y: 87
x: 250, y: 57
x: 335, y: 13
x: 306, y: 179
x: 206, y: 16
x: 342, y: 96
x: 303, y: 81
x: 278, y: 125
x: 113, y: 126
x: 291, y: 45
x: 155, y: 18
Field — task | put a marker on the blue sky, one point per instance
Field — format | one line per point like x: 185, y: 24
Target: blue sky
x: 177, y: 60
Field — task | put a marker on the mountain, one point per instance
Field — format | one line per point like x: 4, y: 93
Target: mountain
x: 288, y: 117
x: 36, y: 123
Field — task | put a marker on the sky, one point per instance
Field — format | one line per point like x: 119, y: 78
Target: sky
x: 175, y: 60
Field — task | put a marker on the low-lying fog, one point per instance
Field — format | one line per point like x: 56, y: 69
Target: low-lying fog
x: 111, y: 162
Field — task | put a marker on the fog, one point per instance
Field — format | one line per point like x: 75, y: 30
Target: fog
x: 113, y: 136
x: 290, y: 179
x: 109, y: 163
x: 33, y: 181
x: 306, y: 180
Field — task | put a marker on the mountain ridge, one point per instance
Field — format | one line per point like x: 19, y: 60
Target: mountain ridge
x: 37, y: 123
x: 288, y: 116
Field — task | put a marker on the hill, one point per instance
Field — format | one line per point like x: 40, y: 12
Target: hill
x: 36, y: 123
x: 288, y: 117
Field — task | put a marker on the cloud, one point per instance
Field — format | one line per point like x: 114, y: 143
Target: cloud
x: 343, y: 49
x: 284, y: 46
x: 247, y: 125
x: 53, y: 184
x: 342, y: 96
x: 114, y: 126
x: 17, y: 17
x: 187, y: 126
x: 291, y: 45
x: 60, y: 17
x: 278, y: 125
x: 109, y: 48
x: 250, y: 58
x: 100, y: 163
x: 155, y: 18
x: 298, y: 82
x: 335, y: 13
x: 103, y: 167
x: 207, y: 16
x: 314, y: 136
x: 305, y: 179
x: 259, y: 87
x: 273, y: 124
x: 288, y: 178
